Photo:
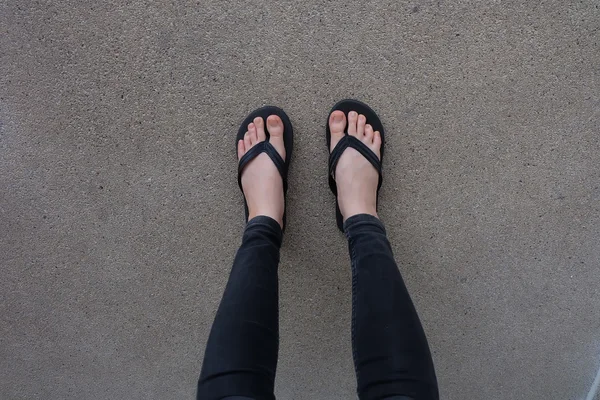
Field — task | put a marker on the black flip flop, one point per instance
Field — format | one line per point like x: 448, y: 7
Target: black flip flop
x: 267, y: 147
x: 350, y: 141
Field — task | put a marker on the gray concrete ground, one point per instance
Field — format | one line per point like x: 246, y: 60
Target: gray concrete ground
x: 120, y: 214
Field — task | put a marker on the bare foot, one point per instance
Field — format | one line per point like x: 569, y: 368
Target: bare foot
x: 261, y: 183
x: 355, y: 177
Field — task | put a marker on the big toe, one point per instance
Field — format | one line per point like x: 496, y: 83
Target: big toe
x: 275, y: 128
x: 337, y: 124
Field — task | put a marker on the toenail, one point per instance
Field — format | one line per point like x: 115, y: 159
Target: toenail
x: 338, y: 117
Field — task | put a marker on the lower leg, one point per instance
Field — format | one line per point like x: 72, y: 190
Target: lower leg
x: 391, y: 353
x: 241, y: 353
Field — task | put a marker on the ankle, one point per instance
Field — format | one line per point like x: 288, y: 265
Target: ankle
x: 279, y: 219
x: 352, y: 208
x: 271, y: 209
x: 358, y: 211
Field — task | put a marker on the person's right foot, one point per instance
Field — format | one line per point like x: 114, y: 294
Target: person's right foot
x: 355, y: 177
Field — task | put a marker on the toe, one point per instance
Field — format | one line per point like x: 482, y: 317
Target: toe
x: 337, y: 124
x: 241, y: 149
x: 352, y: 122
x: 360, y: 127
x: 247, y: 142
x: 376, y: 145
x: 260, y: 129
x: 275, y: 128
x: 368, y: 134
x: 252, y: 133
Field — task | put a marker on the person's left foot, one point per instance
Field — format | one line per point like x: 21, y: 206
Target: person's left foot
x: 261, y: 183
x: 356, y: 179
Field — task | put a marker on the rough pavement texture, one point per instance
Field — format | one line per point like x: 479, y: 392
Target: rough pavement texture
x: 120, y: 214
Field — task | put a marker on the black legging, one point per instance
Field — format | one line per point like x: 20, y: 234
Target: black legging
x: 391, y: 355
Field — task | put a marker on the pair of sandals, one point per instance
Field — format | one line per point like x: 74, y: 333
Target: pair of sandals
x: 288, y: 134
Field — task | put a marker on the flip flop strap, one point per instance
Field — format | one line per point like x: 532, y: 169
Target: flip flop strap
x: 255, y: 151
x: 351, y: 141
